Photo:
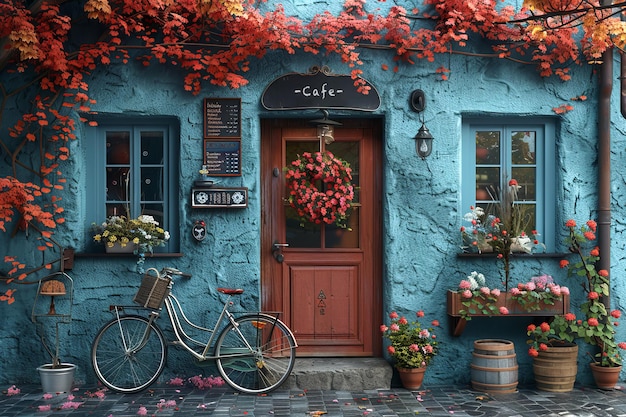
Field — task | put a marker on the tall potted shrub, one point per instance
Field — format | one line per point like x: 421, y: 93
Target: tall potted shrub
x: 598, y: 326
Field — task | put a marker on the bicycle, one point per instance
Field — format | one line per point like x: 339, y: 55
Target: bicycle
x: 254, y: 352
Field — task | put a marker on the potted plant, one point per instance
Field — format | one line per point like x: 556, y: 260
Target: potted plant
x: 502, y: 227
x: 598, y: 327
x: 412, y: 347
x: 539, y: 296
x: 121, y: 234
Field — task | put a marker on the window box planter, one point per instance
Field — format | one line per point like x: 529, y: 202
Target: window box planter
x: 458, y: 321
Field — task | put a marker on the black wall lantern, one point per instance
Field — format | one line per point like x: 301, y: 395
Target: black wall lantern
x: 423, y: 139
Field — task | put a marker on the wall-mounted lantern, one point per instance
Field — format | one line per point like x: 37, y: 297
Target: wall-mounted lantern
x: 423, y: 139
x: 325, y: 128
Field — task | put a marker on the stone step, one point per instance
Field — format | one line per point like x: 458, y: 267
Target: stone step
x: 342, y: 374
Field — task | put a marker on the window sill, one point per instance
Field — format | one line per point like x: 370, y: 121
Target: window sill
x: 127, y: 255
x: 516, y: 255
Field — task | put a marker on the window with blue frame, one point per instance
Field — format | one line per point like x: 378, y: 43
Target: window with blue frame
x: 133, y: 165
x: 496, y: 150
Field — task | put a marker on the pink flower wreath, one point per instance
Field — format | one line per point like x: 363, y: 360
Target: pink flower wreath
x: 319, y: 188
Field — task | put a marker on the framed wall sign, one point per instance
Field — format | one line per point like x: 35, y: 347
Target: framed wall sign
x: 222, y: 157
x: 222, y: 117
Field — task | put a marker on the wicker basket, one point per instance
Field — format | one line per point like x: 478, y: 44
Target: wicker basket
x: 153, y: 289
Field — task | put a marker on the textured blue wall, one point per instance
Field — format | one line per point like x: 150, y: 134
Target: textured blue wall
x: 421, y: 202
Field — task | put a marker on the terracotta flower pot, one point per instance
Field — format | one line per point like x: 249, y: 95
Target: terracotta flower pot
x: 412, y: 378
x: 606, y: 377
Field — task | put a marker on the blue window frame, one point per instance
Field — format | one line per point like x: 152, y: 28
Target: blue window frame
x: 133, y: 165
x: 496, y: 150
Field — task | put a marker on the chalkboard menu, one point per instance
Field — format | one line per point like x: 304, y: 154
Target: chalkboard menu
x: 222, y: 157
x: 222, y: 117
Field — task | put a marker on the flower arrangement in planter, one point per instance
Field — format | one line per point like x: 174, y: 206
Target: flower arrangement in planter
x: 144, y: 232
x: 598, y: 326
x: 412, y: 347
x: 410, y: 344
x: 141, y: 234
x: 503, y: 227
x: 539, y: 296
x: 320, y: 188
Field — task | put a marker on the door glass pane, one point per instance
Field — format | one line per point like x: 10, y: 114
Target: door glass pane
x: 151, y: 184
x: 308, y: 235
x: 337, y: 237
x: 118, y: 181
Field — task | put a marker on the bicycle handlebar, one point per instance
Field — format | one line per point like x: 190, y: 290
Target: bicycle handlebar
x: 174, y: 271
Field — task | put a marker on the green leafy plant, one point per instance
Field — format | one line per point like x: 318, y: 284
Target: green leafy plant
x: 598, y: 327
x: 537, y: 293
x: 410, y: 344
x: 503, y: 227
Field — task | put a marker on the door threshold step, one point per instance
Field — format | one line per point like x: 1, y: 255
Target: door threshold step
x: 340, y: 374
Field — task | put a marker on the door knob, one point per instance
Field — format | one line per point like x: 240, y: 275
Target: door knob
x: 277, y: 251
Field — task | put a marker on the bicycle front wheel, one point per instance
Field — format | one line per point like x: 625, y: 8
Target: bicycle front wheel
x: 257, y: 354
x: 128, y: 354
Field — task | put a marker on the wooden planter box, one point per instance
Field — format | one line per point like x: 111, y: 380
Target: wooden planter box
x: 457, y: 322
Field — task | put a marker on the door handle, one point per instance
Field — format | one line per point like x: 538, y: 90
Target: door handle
x: 277, y: 251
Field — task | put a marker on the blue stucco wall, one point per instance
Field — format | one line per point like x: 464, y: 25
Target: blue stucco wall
x: 421, y: 203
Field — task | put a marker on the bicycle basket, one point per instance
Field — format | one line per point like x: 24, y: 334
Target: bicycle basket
x: 153, y: 289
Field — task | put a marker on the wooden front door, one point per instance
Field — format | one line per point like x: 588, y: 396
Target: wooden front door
x: 327, y: 281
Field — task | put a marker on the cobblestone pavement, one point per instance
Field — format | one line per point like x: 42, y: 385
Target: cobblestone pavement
x: 456, y: 401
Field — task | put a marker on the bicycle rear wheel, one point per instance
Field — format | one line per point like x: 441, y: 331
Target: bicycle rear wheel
x: 123, y: 360
x: 257, y: 355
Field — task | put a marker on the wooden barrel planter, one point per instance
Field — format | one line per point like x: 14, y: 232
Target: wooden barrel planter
x: 494, y: 366
x: 555, y: 369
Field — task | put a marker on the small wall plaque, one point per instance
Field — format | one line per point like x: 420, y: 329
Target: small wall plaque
x: 219, y: 197
x: 222, y: 157
x: 222, y: 117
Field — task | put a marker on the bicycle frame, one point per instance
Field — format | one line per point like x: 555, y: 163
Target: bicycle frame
x: 174, y: 313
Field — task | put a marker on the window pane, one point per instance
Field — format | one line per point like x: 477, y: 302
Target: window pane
x: 118, y: 185
x: 488, y: 147
x: 118, y: 148
x: 527, y: 180
x: 523, y: 147
x: 487, y: 184
x: 151, y: 184
x: 151, y: 148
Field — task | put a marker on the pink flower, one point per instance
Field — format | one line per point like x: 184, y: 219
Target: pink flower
x: 495, y: 292
x: 383, y: 328
x: 616, y: 314
x: 13, y: 390
x: 391, y: 350
x: 424, y: 333
x: 46, y: 407
x: 622, y: 345
x: 504, y: 310
x: 143, y: 411
x: 465, y: 284
x: 435, y: 323
x: 593, y: 295
x: 530, y: 286
x: 485, y: 290
x: 395, y: 327
x: 414, y: 348
x: 565, y: 290
x: 515, y: 291
x: 393, y: 315
x: 592, y: 321
x: 428, y: 349
x: 420, y: 313
x: 467, y: 294
x: 403, y: 320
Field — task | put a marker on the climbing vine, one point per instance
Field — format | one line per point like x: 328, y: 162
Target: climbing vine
x: 48, y: 48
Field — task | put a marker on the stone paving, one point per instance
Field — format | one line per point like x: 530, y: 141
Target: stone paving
x: 456, y: 401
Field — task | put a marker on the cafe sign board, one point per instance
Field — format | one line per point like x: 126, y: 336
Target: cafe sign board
x: 319, y: 89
